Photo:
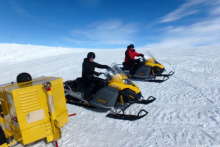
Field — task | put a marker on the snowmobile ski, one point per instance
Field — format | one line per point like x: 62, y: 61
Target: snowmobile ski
x: 128, y: 117
x: 157, y: 80
x: 166, y: 75
x: 148, y: 101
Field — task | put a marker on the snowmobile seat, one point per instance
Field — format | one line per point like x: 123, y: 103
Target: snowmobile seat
x: 70, y: 85
x: 81, y: 85
x: 125, y: 66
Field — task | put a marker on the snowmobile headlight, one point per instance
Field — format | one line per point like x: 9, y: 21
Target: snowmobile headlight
x: 125, y: 81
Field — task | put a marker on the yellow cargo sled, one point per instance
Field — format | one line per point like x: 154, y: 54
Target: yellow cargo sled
x: 32, y: 110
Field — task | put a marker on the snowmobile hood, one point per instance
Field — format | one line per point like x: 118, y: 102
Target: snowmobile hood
x: 118, y: 79
x: 151, y: 61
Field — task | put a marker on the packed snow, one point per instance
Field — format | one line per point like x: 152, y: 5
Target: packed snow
x: 185, y: 113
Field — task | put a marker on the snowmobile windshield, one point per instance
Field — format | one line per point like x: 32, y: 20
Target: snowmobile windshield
x: 148, y: 56
x: 117, y: 75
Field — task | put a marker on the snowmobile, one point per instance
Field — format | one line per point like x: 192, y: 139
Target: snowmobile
x: 117, y: 94
x: 149, y: 69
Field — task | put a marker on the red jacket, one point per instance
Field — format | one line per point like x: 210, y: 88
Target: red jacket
x: 130, y: 55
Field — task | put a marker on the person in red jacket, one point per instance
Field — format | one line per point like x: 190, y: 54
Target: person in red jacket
x: 130, y: 60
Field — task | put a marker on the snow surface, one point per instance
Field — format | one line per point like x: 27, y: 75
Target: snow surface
x: 186, y: 112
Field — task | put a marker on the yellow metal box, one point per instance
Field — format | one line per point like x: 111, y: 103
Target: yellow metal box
x: 26, y: 109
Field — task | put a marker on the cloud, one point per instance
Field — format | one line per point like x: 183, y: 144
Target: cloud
x: 200, y: 33
x: 74, y: 41
x: 215, y: 10
x: 190, y: 7
x: 112, y: 32
x: 205, y: 30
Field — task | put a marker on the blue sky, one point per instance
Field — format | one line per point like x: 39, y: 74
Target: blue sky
x: 110, y: 23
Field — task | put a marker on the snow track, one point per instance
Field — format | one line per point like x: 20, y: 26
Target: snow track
x: 185, y: 113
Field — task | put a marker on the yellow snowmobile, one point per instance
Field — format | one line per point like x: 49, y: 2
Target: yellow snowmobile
x: 117, y: 93
x: 149, y: 69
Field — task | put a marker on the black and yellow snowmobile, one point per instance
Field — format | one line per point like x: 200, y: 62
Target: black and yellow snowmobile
x: 118, y: 93
x: 149, y: 69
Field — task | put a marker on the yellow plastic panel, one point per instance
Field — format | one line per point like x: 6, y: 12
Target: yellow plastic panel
x: 150, y: 62
x: 4, y: 145
x: 59, y: 101
x: 121, y: 86
x: 63, y: 118
x: 30, y: 102
x: 33, y: 134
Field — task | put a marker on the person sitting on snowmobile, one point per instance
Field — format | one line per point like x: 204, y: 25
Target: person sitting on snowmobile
x: 130, y: 54
x: 88, y: 72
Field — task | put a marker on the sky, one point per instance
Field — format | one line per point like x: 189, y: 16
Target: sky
x: 110, y: 23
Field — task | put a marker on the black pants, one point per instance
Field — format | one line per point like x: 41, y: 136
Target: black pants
x: 134, y: 64
x: 94, y: 84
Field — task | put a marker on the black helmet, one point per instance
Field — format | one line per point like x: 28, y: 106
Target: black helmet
x: 24, y: 77
x: 131, y: 46
x: 91, y: 55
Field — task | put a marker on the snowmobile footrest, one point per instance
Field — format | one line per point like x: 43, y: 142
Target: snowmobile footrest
x: 75, y: 101
x: 148, y: 101
x: 128, y: 117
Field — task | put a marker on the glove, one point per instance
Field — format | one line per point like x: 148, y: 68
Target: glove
x: 141, y: 55
x: 137, y: 60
